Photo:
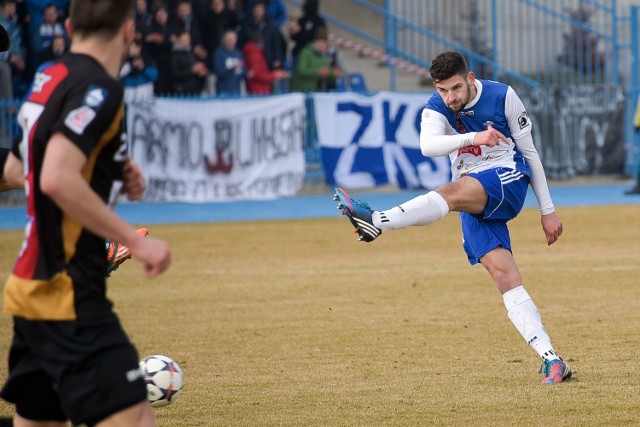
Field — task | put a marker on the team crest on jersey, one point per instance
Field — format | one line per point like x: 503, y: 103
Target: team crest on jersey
x: 77, y: 120
x: 459, y: 125
x: 95, y: 96
x: 523, y: 120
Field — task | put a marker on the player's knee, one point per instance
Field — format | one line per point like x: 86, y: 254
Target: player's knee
x: 502, y: 269
x: 466, y: 194
x: 140, y: 415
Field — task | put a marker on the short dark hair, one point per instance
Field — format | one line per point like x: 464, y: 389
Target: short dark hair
x: 102, y: 18
x: 321, y: 33
x: 447, y: 65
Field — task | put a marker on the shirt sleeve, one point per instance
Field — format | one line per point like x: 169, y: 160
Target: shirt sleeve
x: 519, y: 122
x: 538, y: 178
x: 520, y: 127
x: 438, y: 138
x: 89, y: 112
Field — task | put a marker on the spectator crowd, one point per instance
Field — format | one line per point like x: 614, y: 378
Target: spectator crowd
x: 187, y: 47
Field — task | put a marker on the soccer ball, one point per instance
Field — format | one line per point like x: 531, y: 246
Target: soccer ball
x: 164, y: 379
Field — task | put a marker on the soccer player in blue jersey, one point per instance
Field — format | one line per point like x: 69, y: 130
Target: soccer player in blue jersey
x: 484, y: 128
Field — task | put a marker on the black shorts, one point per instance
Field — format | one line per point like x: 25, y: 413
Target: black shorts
x: 84, y: 371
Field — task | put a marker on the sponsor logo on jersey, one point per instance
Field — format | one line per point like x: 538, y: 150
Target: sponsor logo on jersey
x: 523, y: 120
x: 474, y: 150
x: 39, y: 81
x: 495, y: 155
x: 77, y: 120
x: 95, y: 96
x: 468, y: 113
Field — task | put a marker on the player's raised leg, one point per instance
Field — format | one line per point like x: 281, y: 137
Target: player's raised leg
x: 369, y: 224
x: 466, y: 194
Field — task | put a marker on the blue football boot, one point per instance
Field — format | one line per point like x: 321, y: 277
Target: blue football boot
x: 359, y: 213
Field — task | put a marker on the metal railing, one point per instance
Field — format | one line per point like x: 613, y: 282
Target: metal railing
x: 522, y: 42
x: 9, y: 130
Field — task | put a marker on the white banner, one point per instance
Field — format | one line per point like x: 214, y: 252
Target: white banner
x: 212, y: 150
x: 375, y: 140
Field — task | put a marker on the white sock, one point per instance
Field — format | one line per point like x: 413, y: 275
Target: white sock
x: 526, y: 318
x: 421, y: 210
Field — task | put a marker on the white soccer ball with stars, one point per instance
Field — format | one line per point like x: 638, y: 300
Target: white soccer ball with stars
x: 164, y: 379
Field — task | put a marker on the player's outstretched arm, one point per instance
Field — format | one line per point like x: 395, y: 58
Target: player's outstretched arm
x: 62, y: 181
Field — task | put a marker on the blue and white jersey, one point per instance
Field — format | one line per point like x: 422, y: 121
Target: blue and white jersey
x: 495, y: 105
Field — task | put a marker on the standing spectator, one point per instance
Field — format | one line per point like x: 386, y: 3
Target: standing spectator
x: 143, y: 19
x: 199, y: 6
x: 138, y: 74
x: 158, y: 45
x: 50, y: 27
x: 260, y: 78
x: 276, y: 11
x: 183, y: 20
x: 302, y: 31
x: 235, y: 6
x: 228, y: 65
x: 188, y: 73
x: 56, y: 50
x: 23, y: 21
x: 12, y: 62
x: 273, y: 41
x: 218, y: 18
x: 34, y: 17
x: 314, y: 70
x: 23, y: 18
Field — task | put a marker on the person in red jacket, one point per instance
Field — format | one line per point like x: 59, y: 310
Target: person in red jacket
x: 259, y: 78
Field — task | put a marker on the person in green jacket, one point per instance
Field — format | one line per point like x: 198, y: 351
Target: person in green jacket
x: 314, y: 68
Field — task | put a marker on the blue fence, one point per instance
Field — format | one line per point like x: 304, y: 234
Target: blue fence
x: 529, y: 43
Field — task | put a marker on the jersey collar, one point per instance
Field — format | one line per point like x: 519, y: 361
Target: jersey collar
x: 473, y: 102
